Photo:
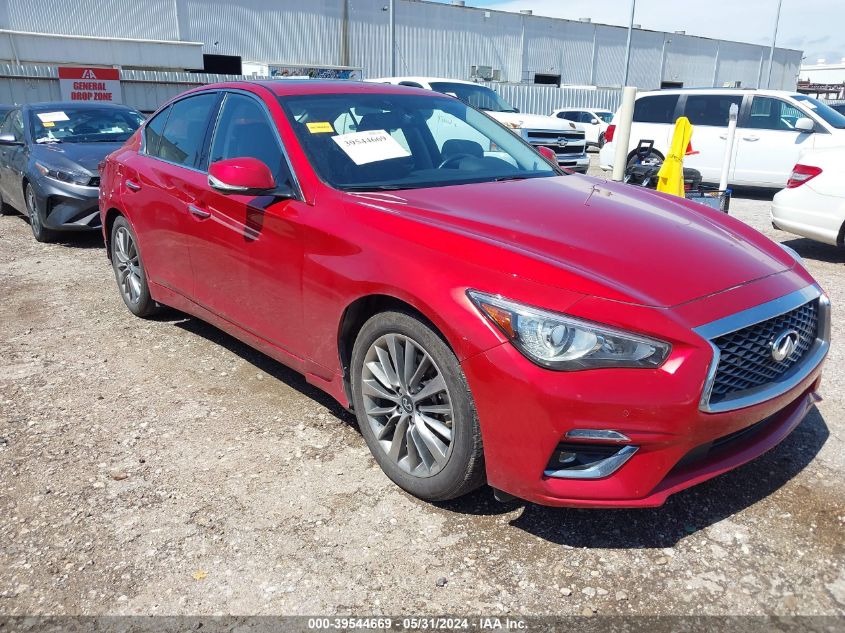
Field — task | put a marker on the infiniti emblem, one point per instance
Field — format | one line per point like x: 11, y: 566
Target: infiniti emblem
x: 407, y: 404
x: 784, y: 344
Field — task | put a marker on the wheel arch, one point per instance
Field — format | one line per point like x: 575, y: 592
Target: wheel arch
x: 357, y: 313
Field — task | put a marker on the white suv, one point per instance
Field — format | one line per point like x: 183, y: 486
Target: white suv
x: 559, y: 135
x: 774, y: 127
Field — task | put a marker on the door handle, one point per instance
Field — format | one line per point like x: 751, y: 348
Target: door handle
x: 199, y: 213
x: 751, y: 138
x: 724, y: 137
x: 134, y: 186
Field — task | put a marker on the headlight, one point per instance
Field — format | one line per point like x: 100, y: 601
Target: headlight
x: 72, y: 177
x: 564, y: 343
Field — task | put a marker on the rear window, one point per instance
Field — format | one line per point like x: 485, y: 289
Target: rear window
x: 655, y: 109
x: 710, y: 109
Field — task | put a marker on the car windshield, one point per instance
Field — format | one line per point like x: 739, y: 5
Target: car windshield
x: 361, y: 142
x: 607, y: 117
x: 83, y: 124
x: 477, y: 96
x: 834, y: 118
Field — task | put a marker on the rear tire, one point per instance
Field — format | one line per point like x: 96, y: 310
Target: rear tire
x: 36, y: 221
x: 415, y: 409
x: 129, y: 270
x: 601, y: 140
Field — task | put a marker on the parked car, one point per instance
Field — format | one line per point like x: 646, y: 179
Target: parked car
x: 486, y: 318
x: 813, y: 203
x: 593, y: 122
x: 563, y: 138
x: 774, y: 127
x: 49, y: 157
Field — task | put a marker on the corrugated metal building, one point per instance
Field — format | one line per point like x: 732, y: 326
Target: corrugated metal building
x: 432, y: 39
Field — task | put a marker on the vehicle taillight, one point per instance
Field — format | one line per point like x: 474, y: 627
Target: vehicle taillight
x: 801, y: 174
x: 608, y: 135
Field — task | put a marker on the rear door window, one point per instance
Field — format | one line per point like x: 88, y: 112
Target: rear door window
x: 655, y: 109
x: 184, y: 133
x: 710, y: 109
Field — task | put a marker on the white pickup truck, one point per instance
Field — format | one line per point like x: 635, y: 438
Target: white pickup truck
x: 559, y: 135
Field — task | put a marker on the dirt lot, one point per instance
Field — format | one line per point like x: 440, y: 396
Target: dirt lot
x: 162, y: 467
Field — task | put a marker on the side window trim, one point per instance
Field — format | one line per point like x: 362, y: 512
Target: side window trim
x: 297, y: 189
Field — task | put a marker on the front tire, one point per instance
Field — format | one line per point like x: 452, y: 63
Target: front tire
x: 415, y: 409
x: 601, y: 140
x: 36, y: 222
x: 129, y: 270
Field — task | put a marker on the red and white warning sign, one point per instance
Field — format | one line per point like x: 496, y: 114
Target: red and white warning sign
x: 90, y: 84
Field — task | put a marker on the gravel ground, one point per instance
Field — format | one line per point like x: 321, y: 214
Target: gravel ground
x: 161, y: 467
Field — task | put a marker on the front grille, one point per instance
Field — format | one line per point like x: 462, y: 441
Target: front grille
x: 745, y: 360
x: 562, y: 149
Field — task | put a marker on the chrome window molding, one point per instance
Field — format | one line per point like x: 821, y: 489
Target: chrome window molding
x: 598, y: 470
x: 752, y: 316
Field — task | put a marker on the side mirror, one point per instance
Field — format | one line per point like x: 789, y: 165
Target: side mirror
x: 595, y: 121
x: 804, y: 124
x: 241, y: 175
x: 9, y: 139
x: 548, y: 154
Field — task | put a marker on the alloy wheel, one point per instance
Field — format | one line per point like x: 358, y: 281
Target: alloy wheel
x: 31, y: 209
x: 407, y: 405
x: 128, y: 265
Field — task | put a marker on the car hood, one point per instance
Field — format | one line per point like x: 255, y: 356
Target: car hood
x: 601, y: 238
x: 534, y: 121
x: 74, y: 155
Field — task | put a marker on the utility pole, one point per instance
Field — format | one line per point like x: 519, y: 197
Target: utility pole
x: 772, y: 51
x: 392, y: 10
x: 628, y: 43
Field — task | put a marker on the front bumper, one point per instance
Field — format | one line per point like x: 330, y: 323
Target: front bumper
x: 525, y: 412
x: 67, y: 207
x: 574, y: 162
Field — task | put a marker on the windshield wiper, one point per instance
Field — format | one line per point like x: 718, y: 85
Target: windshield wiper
x: 505, y: 178
x: 47, y: 139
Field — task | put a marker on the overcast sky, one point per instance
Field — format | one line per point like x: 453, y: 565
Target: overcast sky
x: 814, y: 26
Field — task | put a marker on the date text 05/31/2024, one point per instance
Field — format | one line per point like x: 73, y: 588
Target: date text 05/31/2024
x: 417, y: 624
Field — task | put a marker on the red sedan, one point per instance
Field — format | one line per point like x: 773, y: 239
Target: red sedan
x: 487, y: 317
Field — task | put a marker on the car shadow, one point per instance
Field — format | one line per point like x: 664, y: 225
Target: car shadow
x: 817, y: 251
x: 683, y: 513
x: 257, y: 359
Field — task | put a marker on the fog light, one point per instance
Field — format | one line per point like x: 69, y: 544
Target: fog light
x: 587, y: 461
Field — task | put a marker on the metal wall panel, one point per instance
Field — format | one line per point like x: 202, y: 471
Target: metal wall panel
x: 610, y: 55
x: 739, y: 62
x: 646, y: 59
x: 559, y: 47
x: 691, y: 60
x: 150, y: 19
x: 543, y: 99
x: 272, y: 31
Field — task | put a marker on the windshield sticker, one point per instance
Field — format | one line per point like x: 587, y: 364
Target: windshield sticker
x: 48, y: 124
x: 320, y: 127
x: 370, y: 146
x: 50, y: 117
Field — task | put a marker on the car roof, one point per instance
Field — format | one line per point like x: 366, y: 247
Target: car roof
x: 75, y: 104
x: 738, y: 91
x: 292, y: 87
